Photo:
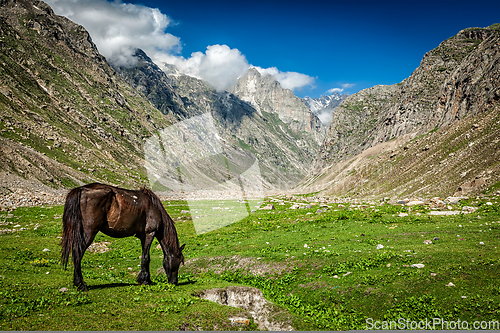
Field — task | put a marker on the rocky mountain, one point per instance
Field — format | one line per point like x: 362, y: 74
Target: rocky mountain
x: 265, y: 94
x: 66, y: 118
x: 325, y: 101
x: 150, y: 80
x: 248, y: 133
x: 448, y: 105
x: 324, y: 106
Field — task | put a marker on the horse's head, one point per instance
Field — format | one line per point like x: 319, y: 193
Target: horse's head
x: 173, y: 263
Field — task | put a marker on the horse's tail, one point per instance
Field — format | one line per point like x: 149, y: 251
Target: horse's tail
x: 72, y: 237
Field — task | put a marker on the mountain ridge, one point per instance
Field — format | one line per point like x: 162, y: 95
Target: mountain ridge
x: 263, y: 134
x: 324, y: 106
x: 455, y: 83
x: 265, y: 93
x: 67, y: 118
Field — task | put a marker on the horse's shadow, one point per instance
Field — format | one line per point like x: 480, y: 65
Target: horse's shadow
x: 117, y: 285
x: 111, y: 285
x: 185, y: 283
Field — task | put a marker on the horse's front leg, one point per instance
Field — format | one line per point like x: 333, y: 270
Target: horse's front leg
x: 144, y: 276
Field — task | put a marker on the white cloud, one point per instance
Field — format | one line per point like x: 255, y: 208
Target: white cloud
x: 339, y: 90
x: 325, y: 116
x: 288, y: 80
x: 118, y: 28
x: 331, y: 91
x: 348, y: 85
x: 220, y: 65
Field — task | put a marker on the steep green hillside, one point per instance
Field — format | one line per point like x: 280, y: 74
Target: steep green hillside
x: 65, y: 116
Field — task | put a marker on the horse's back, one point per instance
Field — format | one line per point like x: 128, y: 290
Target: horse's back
x: 115, y: 211
x: 95, y: 192
x: 126, y: 212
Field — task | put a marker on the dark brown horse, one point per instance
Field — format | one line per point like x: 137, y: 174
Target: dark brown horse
x: 118, y: 213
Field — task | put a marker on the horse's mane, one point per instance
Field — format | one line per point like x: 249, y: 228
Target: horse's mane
x: 168, y: 224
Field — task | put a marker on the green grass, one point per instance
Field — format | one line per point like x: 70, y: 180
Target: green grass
x: 312, y: 253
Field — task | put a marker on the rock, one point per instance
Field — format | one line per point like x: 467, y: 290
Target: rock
x: 435, y: 238
x: 99, y: 247
x: 63, y: 289
x: 401, y: 202
x: 295, y: 206
x: 481, y: 243
x: 309, y: 206
x: 470, y: 186
x: 415, y: 203
x: 436, y: 202
x: 268, y: 207
x: 489, y: 203
x: 248, y: 299
x: 454, y: 200
x: 449, y: 212
x: 427, y: 241
x: 403, y: 214
x: 418, y: 266
x: 433, y: 274
x: 450, y: 285
x: 238, y: 321
x: 380, y: 246
x: 469, y: 209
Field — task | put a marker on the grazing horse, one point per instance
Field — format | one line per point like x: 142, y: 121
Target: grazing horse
x: 118, y: 213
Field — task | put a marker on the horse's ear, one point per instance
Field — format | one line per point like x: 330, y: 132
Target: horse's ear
x: 182, y: 247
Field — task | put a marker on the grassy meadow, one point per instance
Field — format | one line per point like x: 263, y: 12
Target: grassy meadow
x: 323, y: 270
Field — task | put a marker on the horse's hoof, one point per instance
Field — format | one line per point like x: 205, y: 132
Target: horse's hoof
x: 82, y: 287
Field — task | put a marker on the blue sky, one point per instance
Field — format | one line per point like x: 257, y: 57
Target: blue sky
x: 348, y: 45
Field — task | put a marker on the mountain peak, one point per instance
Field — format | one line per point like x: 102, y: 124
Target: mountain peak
x: 324, y: 106
x: 265, y: 94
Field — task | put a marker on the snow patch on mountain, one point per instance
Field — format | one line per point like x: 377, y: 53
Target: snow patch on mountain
x: 324, y: 106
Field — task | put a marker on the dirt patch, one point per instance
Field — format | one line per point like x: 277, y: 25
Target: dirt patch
x: 99, y: 247
x: 248, y: 265
x: 251, y: 300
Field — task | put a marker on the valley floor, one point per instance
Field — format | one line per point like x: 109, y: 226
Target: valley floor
x: 321, y: 266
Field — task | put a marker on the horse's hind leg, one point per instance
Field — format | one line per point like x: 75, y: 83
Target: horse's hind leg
x: 144, y: 276
x: 77, y: 261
